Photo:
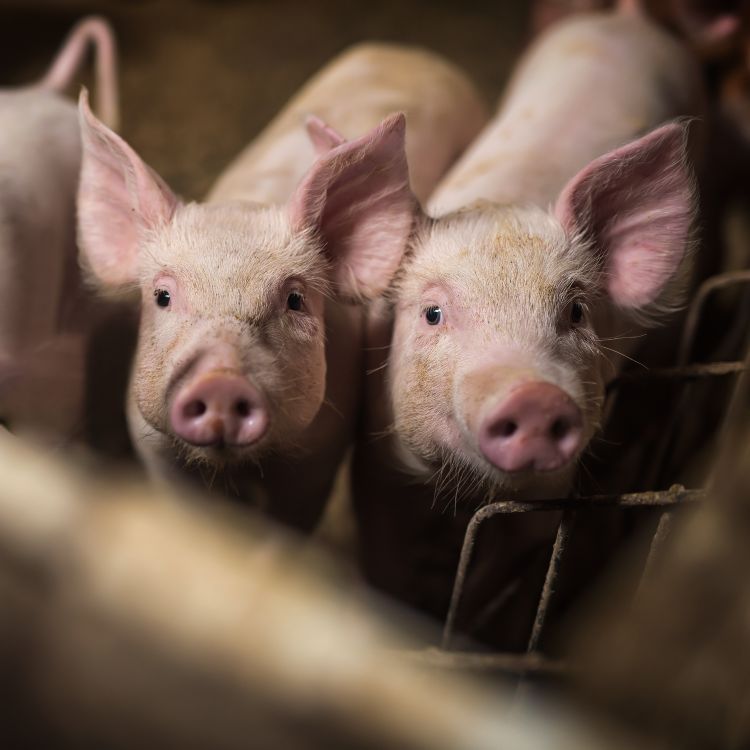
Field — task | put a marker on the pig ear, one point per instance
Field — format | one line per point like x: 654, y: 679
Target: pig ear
x: 357, y: 198
x: 323, y: 136
x: 119, y: 198
x: 636, y: 204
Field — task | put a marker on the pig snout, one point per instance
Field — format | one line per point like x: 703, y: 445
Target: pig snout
x: 219, y: 410
x: 536, y: 427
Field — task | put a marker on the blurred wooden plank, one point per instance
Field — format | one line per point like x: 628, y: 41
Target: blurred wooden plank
x: 133, y: 618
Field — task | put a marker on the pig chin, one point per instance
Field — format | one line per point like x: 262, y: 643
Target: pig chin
x: 219, y: 456
x: 529, y: 484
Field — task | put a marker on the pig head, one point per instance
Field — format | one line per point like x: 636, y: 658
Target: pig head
x: 505, y: 319
x: 233, y: 363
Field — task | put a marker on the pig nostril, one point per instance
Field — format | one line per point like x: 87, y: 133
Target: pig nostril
x: 242, y: 408
x: 506, y: 428
x: 560, y: 428
x: 194, y: 409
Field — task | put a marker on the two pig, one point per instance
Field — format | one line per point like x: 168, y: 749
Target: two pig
x: 488, y: 344
x: 249, y: 355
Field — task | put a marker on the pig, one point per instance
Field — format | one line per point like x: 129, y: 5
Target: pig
x: 246, y: 374
x: 563, y: 227
x: 42, y: 304
x: 711, y: 29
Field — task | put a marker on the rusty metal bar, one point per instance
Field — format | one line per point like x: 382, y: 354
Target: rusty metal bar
x: 705, y: 290
x: 675, y: 495
x: 561, y: 540
x: 463, y: 566
x: 660, y: 535
x: 732, y: 411
x: 683, y: 372
x: 668, y: 441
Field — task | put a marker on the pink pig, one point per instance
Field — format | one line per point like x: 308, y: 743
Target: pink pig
x: 246, y: 374
x: 42, y: 319
x: 550, y: 238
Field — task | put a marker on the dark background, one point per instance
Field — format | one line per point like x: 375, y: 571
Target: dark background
x: 200, y: 79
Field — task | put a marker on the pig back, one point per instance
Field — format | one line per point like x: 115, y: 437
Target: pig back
x: 40, y: 156
x: 588, y: 85
x: 353, y: 94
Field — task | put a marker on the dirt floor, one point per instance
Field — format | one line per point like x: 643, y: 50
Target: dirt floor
x: 201, y: 79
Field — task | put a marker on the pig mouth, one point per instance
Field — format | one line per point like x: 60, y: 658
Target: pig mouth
x: 218, y: 455
x: 518, y: 477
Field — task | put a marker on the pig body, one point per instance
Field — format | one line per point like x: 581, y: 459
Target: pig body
x: 42, y: 321
x: 354, y: 93
x: 577, y: 94
x: 711, y: 29
x: 247, y: 371
x: 487, y: 357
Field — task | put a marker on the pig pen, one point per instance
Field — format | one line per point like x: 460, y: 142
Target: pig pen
x: 185, y: 68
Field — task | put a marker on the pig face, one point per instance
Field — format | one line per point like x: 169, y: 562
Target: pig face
x: 231, y: 358
x: 501, y: 317
x: 224, y: 337
x: 493, y: 341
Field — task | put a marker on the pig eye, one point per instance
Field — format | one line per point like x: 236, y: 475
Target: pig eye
x: 433, y: 315
x: 295, y: 301
x: 576, y: 313
x: 163, y: 298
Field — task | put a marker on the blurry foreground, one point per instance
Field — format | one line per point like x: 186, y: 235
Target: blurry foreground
x: 128, y: 618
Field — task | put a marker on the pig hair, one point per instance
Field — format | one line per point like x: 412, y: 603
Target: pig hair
x: 243, y: 233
